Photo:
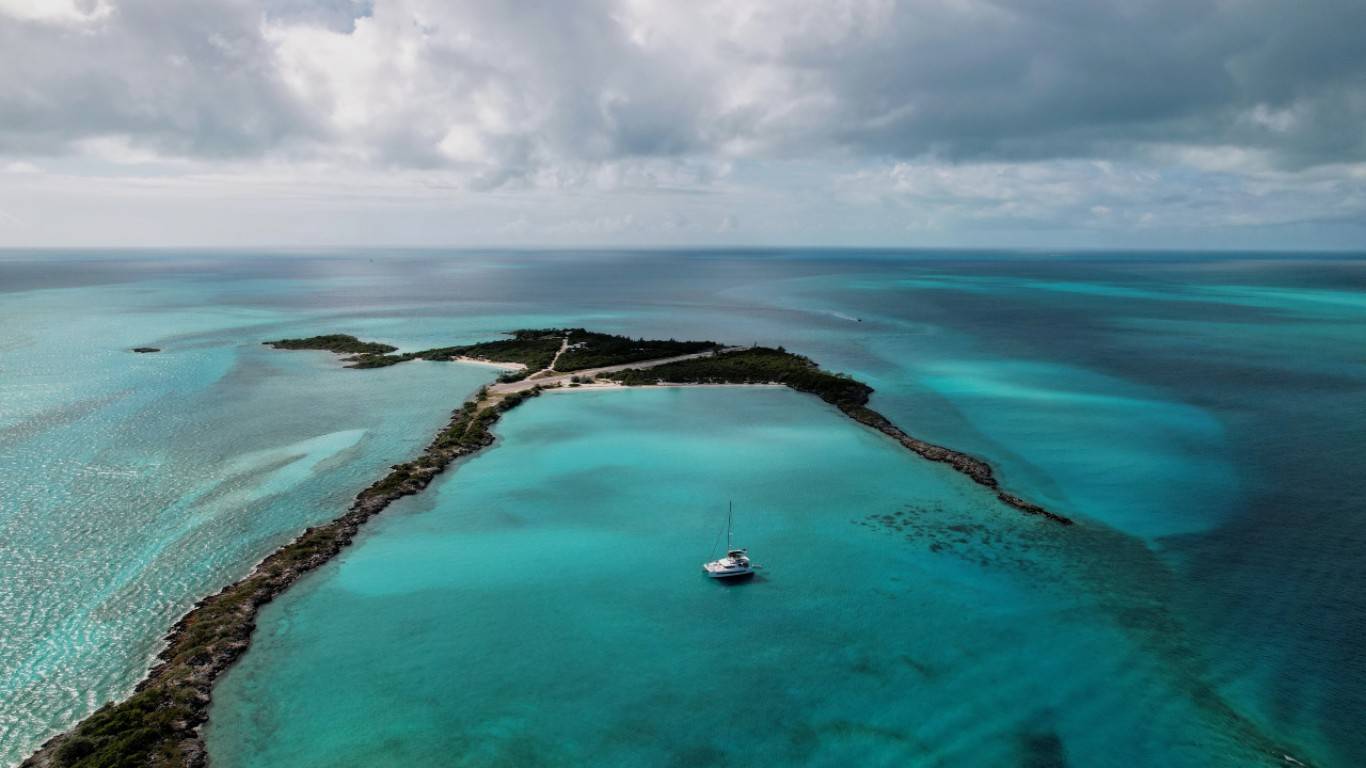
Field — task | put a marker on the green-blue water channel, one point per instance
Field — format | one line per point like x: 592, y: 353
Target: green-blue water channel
x: 543, y: 605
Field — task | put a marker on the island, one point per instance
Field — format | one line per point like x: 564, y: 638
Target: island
x: 159, y: 724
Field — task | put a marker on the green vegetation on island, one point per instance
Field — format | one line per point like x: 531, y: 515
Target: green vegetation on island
x: 599, y: 350
x: 755, y: 365
x: 340, y: 343
x: 535, y: 348
x: 334, y: 342
x: 531, y: 348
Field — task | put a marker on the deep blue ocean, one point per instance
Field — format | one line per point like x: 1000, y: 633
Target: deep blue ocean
x: 1202, y: 416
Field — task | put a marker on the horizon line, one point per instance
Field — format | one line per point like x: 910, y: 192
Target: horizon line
x: 1073, y: 249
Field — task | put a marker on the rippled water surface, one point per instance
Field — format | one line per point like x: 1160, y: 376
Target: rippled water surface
x: 1204, y: 417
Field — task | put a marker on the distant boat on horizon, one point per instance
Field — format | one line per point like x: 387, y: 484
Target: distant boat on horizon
x: 735, y: 564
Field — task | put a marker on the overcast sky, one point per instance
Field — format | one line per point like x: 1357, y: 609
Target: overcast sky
x: 1034, y: 123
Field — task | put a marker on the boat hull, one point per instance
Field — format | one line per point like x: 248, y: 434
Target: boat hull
x: 735, y: 574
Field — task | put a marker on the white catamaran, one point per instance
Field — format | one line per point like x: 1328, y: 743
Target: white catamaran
x: 736, y: 563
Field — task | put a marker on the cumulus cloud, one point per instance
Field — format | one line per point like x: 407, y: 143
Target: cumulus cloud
x: 56, y: 11
x: 514, y: 85
x: 189, y: 79
x: 960, y: 105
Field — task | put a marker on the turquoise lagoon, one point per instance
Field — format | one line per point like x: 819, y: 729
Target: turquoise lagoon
x: 544, y: 605
x: 1202, y: 415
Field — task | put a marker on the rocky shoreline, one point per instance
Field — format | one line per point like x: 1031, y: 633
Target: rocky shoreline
x: 979, y: 471
x: 160, y: 723
x: 763, y: 365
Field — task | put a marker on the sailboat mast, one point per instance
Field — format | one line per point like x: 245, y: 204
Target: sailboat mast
x: 730, y: 522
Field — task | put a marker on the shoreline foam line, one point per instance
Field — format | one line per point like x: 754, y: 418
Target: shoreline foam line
x: 159, y: 724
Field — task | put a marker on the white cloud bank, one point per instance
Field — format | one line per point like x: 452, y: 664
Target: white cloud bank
x: 1225, y: 122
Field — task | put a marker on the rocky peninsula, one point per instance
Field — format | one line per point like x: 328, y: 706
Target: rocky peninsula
x: 159, y: 724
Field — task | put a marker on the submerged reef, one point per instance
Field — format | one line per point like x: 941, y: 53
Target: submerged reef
x: 159, y: 724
